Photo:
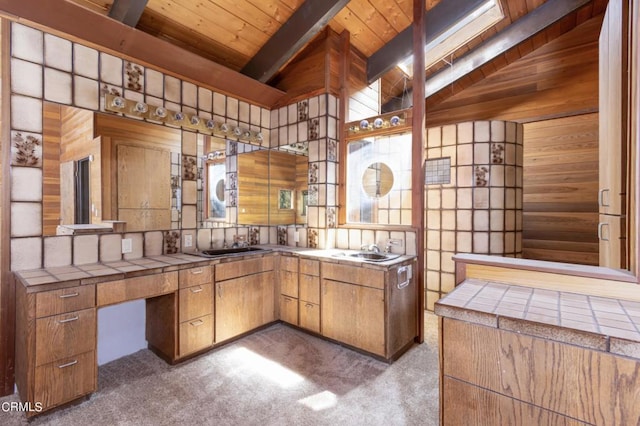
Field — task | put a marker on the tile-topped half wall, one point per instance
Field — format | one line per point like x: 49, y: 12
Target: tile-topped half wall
x: 474, y: 197
x: 45, y: 67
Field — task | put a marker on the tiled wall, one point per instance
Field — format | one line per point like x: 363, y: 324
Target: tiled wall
x: 45, y: 67
x: 480, y: 209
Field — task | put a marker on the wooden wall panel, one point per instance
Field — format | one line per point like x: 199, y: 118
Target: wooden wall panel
x: 560, y: 182
x: 281, y: 176
x: 50, y: 168
x: 253, y: 188
x: 559, y: 79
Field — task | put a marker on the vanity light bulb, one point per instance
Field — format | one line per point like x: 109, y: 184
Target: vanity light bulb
x: 377, y: 123
x: 364, y: 124
x: 246, y: 134
x: 161, y: 112
x: 141, y: 107
x: 211, y: 124
x: 259, y: 136
x: 117, y: 102
x: 237, y: 131
x: 178, y: 116
x: 224, y: 127
x: 195, y: 120
x: 395, y: 120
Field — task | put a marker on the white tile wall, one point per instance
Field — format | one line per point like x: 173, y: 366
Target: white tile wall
x: 57, y: 53
x: 26, y: 78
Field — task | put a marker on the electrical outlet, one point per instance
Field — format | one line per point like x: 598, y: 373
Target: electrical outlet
x: 394, y: 242
x: 188, y: 240
x: 127, y: 245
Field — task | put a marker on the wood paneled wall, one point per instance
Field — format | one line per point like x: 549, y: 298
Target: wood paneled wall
x: 253, y: 188
x: 555, y: 90
x: 560, y: 183
x: 281, y: 176
x: 51, y: 117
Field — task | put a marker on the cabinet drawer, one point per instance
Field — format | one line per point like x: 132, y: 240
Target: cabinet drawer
x: 310, y: 288
x: 65, y: 380
x: 310, y: 267
x: 310, y: 316
x: 225, y: 271
x: 196, y: 334
x: 353, y: 275
x: 289, y: 283
x: 196, y: 301
x: 289, y: 309
x: 195, y: 276
x: 65, y: 300
x: 111, y: 292
x: 289, y: 263
x: 65, y: 335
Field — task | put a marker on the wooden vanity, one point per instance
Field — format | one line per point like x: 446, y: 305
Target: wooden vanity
x: 195, y: 304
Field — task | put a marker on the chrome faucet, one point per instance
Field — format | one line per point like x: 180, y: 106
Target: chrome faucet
x: 371, y: 247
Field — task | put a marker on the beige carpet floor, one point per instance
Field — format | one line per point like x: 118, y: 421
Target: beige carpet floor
x: 277, y: 376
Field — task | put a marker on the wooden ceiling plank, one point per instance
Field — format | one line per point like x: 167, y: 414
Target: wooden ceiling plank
x: 520, y: 31
x: 437, y: 20
x: 300, y: 28
x: 363, y: 37
x: 276, y: 9
x: 251, y: 14
x: 373, y: 19
x: 127, y: 11
x: 395, y: 17
x: 96, y: 30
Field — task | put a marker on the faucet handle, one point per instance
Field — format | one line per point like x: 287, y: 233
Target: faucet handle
x: 364, y: 247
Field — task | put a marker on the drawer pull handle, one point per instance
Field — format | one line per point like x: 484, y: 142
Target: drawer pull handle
x: 76, y: 318
x: 196, y: 290
x: 196, y: 323
x: 309, y: 305
x: 65, y: 296
x: 403, y: 284
x: 601, y: 225
x: 197, y: 271
x: 69, y: 364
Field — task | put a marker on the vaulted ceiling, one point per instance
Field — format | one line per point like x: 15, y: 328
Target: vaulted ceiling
x: 259, y: 37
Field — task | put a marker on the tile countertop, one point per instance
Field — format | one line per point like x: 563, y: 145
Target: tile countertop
x: 73, y: 275
x: 599, y: 323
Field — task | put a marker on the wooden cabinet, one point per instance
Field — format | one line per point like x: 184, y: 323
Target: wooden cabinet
x: 288, y: 283
x: 493, y: 376
x: 370, y: 309
x: 55, y: 345
x: 245, y: 295
x: 195, y: 310
x: 309, y: 295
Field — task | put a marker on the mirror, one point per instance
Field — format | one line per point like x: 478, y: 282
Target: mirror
x: 108, y: 153
x: 377, y: 180
x: 261, y: 186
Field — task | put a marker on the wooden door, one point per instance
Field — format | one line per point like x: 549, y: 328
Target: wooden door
x: 243, y: 304
x: 354, y: 315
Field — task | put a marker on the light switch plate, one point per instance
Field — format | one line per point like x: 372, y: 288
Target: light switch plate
x: 127, y: 245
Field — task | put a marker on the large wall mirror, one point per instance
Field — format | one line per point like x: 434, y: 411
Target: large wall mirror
x: 102, y: 168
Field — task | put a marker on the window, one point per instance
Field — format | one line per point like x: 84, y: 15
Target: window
x: 378, y: 186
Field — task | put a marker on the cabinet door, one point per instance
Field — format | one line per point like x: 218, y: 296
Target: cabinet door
x: 354, y: 315
x: 289, y: 283
x: 612, y: 116
x: 195, y: 302
x: 64, y: 380
x: 289, y: 309
x: 609, y: 236
x: 310, y: 288
x: 243, y: 304
x: 310, y: 316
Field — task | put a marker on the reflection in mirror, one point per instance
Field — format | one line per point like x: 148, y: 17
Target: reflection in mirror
x: 215, y: 177
x: 377, y: 180
x: 131, y: 171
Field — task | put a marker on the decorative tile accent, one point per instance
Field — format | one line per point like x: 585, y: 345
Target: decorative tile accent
x: 331, y: 217
x: 189, y: 167
x: 312, y: 199
x: 254, y: 236
x: 303, y: 111
x: 332, y: 150
x: 26, y: 149
x: 313, y: 129
x: 481, y: 173
x: 171, y: 242
x: 282, y: 235
x: 497, y: 153
x: 134, y: 76
x: 233, y: 199
x: 312, y: 237
x: 233, y: 148
x: 313, y: 173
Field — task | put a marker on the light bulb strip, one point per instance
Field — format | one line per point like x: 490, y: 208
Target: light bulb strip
x: 121, y: 105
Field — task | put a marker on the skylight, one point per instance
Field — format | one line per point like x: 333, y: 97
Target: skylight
x: 460, y: 33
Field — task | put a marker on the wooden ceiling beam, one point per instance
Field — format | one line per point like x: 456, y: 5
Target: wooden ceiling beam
x: 516, y: 33
x: 437, y: 20
x: 127, y: 11
x: 310, y: 18
x: 80, y: 24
